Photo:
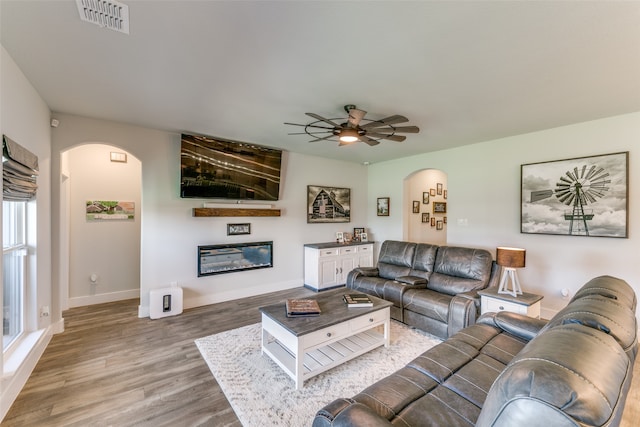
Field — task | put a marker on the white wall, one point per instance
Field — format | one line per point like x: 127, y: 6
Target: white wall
x: 24, y: 117
x: 108, y: 249
x: 170, y: 234
x: 484, y: 191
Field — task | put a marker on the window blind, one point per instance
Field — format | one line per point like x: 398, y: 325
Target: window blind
x: 19, y: 171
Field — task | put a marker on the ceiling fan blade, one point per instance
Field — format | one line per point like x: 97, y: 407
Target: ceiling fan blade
x: 368, y: 140
x: 322, y: 119
x: 397, y: 138
x: 322, y: 139
x: 406, y: 129
x: 307, y: 133
x: 386, y: 121
x: 355, y: 116
x: 310, y: 125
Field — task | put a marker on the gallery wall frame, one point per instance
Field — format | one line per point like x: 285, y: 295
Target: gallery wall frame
x: 416, y: 206
x: 439, y: 207
x: 581, y: 196
x: 328, y: 204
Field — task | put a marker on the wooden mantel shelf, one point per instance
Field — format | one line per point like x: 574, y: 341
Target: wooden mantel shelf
x: 234, y: 212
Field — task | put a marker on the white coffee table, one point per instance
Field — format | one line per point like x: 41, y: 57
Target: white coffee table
x: 306, y: 346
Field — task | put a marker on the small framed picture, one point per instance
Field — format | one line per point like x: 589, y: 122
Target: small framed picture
x: 444, y: 194
x: 433, y: 221
x: 444, y: 219
x: 432, y: 192
x: 439, y: 189
x: 439, y: 207
x: 357, y: 232
x: 339, y: 237
x: 439, y: 225
x: 416, y: 206
x: 364, y: 238
x: 382, y: 206
x: 425, y: 198
x: 425, y: 217
x: 235, y: 229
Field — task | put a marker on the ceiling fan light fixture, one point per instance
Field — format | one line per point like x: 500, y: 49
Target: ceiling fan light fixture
x: 349, y: 135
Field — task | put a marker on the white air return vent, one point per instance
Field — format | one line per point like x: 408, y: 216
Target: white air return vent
x: 105, y: 13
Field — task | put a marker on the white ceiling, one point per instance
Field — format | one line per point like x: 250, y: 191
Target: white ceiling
x: 464, y: 72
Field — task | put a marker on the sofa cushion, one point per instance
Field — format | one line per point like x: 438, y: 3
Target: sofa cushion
x: 610, y: 287
x: 395, y: 259
x: 569, y: 371
x: 458, y: 270
x: 424, y: 259
x: 427, y: 303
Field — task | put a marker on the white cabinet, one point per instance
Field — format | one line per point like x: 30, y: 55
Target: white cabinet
x: 327, y: 266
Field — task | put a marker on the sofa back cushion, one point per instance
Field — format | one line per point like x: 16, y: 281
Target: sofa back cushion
x: 395, y: 259
x: 610, y: 287
x: 458, y: 270
x: 566, y: 376
x: 424, y: 260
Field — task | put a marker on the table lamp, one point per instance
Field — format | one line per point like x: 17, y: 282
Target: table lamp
x: 510, y: 259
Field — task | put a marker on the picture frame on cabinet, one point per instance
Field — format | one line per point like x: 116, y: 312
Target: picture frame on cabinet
x: 357, y: 232
x: 339, y: 237
x: 382, y: 206
x: 364, y: 237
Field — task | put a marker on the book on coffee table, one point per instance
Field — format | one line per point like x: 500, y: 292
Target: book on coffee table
x: 357, y: 300
x: 302, y: 308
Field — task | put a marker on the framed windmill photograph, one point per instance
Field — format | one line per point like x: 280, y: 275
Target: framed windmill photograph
x: 583, y: 196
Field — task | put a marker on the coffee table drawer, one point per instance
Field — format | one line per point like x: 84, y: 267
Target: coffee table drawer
x: 368, y: 320
x: 327, y: 334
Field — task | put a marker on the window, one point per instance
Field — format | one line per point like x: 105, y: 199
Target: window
x: 14, y: 250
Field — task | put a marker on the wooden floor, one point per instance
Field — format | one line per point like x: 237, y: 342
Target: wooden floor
x: 110, y: 368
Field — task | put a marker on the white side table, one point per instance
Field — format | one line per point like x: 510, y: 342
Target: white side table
x: 527, y: 304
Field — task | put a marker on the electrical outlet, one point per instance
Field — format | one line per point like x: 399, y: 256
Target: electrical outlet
x: 44, y: 311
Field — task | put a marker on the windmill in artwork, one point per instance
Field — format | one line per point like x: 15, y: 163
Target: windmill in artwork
x: 577, y: 188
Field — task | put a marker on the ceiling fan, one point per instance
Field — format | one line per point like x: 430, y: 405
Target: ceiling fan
x: 355, y: 128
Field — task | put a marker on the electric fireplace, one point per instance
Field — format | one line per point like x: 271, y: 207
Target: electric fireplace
x: 229, y: 258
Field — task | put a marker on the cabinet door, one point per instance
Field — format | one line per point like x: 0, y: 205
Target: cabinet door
x: 328, y: 272
x: 346, y: 264
x: 365, y: 256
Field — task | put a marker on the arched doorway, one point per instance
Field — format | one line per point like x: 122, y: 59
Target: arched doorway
x: 425, y: 195
x: 100, y: 218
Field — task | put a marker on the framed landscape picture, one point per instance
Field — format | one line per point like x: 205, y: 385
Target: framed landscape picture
x: 583, y: 196
x: 328, y: 204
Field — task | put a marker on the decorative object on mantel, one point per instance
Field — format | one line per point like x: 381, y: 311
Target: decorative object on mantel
x: 599, y: 182
x: 382, y: 206
x: 328, y: 204
x: 510, y: 259
x: 349, y: 130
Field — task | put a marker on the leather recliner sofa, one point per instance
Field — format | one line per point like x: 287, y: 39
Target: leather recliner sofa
x: 512, y: 370
x: 433, y: 288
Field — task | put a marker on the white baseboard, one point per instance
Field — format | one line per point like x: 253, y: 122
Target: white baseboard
x: 102, y: 298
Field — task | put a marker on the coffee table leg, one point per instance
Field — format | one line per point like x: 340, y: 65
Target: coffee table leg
x: 299, y: 365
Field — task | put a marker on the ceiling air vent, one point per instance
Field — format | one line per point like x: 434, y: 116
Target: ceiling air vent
x: 105, y: 13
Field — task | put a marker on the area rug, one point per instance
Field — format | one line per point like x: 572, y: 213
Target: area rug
x: 262, y: 394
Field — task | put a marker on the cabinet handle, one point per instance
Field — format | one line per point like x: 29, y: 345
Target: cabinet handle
x: 336, y: 270
x: 328, y: 334
x: 340, y: 270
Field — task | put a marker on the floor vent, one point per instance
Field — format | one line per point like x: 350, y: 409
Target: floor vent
x: 105, y: 13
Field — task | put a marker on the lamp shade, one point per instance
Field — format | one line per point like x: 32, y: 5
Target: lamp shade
x: 511, y: 257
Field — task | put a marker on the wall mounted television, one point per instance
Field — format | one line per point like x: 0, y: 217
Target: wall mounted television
x: 223, y: 169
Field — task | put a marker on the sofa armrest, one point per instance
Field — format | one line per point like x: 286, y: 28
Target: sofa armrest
x: 367, y: 271
x: 514, y: 323
x: 414, y: 281
x: 348, y: 413
x: 462, y: 313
